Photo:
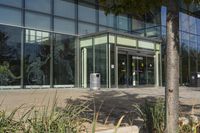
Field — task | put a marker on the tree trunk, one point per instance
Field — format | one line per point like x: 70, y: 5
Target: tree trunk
x: 172, y: 68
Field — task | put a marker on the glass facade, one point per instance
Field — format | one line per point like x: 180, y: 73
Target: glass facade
x: 64, y: 60
x: 37, y: 58
x: 40, y: 45
x: 10, y: 55
x: 189, y: 45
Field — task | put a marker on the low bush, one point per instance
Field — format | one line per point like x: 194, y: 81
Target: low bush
x: 46, y: 120
x: 153, y: 114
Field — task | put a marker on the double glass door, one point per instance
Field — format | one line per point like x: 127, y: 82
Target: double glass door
x: 134, y: 70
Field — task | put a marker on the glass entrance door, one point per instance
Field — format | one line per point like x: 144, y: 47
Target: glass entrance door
x: 122, y: 70
x: 134, y: 70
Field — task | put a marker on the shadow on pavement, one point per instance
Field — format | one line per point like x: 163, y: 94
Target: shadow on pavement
x: 112, y: 105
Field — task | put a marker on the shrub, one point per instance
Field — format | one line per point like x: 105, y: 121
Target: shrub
x: 153, y: 114
x: 46, y: 120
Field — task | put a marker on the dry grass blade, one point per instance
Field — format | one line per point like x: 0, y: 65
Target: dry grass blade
x: 119, y: 123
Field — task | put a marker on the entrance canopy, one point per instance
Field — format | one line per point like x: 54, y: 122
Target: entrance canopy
x: 123, y: 60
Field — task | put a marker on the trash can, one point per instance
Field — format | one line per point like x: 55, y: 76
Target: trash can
x: 95, y: 79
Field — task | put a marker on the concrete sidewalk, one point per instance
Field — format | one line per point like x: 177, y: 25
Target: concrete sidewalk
x: 40, y: 97
x: 112, y: 102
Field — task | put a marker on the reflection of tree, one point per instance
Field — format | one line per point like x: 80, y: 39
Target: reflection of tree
x: 3, y: 39
x: 35, y: 74
x: 6, y: 74
x: 63, y: 57
x: 7, y: 53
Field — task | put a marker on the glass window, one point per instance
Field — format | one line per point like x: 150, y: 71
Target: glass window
x: 17, y: 3
x: 10, y: 16
x: 198, y: 27
x: 103, y: 28
x: 107, y: 20
x: 64, y: 60
x: 64, y: 8
x: 193, y: 53
x: 64, y: 25
x: 10, y: 55
x: 184, y: 58
x: 101, y: 62
x: 198, y: 52
x: 163, y: 16
x: 152, y: 18
x: 36, y: 20
x: 86, y: 28
x: 184, y: 22
x: 86, y: 13
x: 192, y: 24
x: 37, y: 58
x: 39, y: 5
x: 138, y: 26
x: 122, y: 22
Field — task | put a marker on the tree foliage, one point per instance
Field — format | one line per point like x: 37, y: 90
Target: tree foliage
x: 140, y: 7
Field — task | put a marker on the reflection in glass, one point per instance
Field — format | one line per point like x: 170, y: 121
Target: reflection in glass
x: 86, y: 13
x: 37, y: 58
x: 122, y: 22
x: 192, y: 25
x: 184, y: 22
x: 101, y: 62
x: 198, y: 52
x: 142, y: 72
x: 193, y: 54
x: 64, y: 25
x: 153, y: 18
x: 36, y: 20
x: 85, y: 28
x: 10, y: 55
x: 198, y: 27
x: 64, y: 8
x: 184, y: 58
x: 150, y: 71
x: 10, y: 16
x: 106, y: 20
x: 132, y: 71
x: 17, y: 3
x: 122, y: 70
x: 39, y: 5
x: 163, y: 16
x: 64, y: 60
x: 138, y: 26
x: 112, y: 67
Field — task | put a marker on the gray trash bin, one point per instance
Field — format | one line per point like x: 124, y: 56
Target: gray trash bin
x: 95, y: 81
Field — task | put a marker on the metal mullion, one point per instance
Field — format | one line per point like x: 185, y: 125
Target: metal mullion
x: 97, y: 15
x: 52, y: 36
x: 22, y: 58
x: 76, y: 16
x: 93, y: 54
x: 23, y: 35
x: 52, y: 41
x: 116, y: 60
x: 147, y: 75
x: 127, y: 69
